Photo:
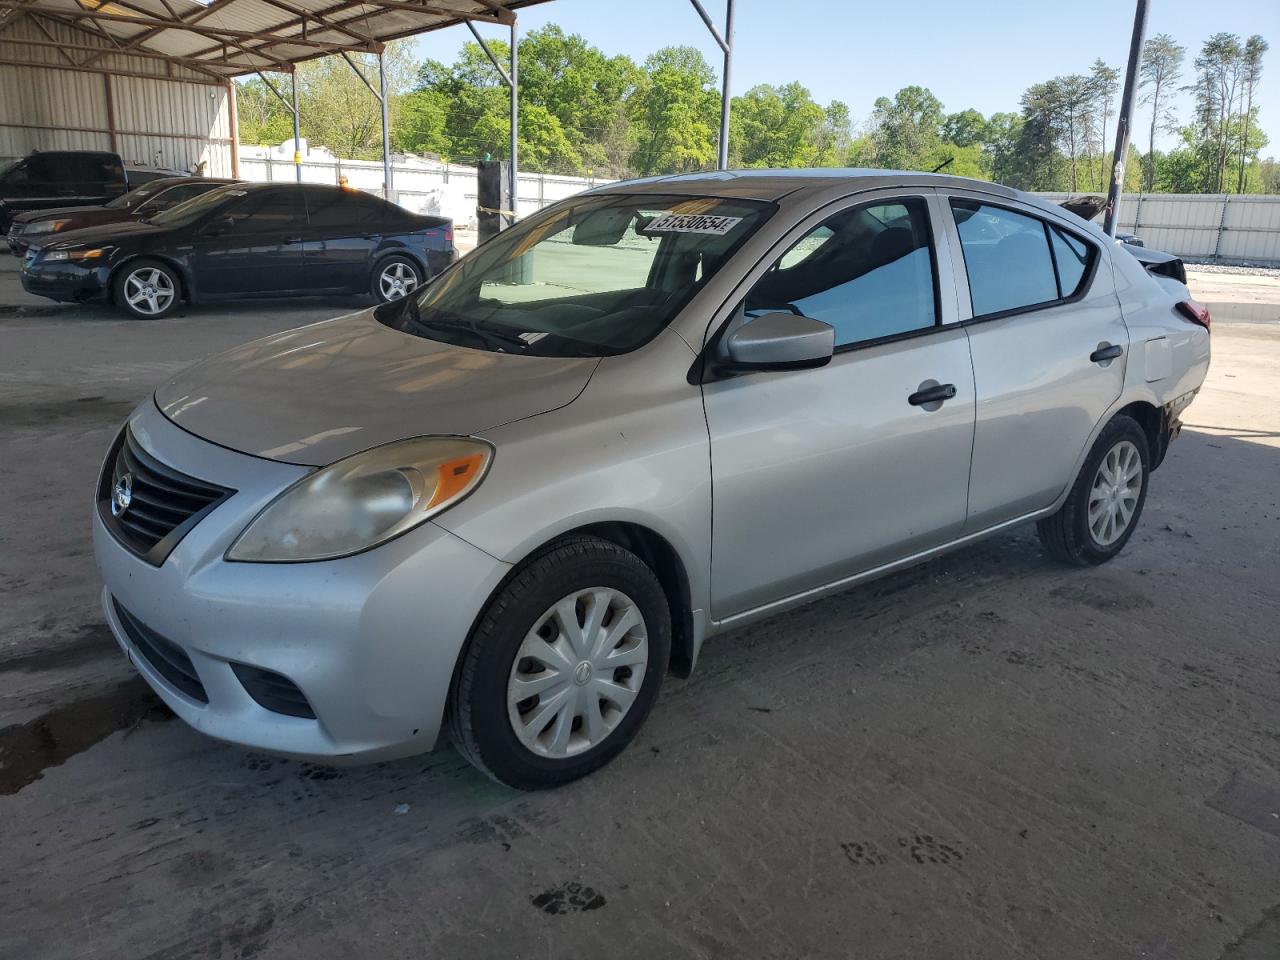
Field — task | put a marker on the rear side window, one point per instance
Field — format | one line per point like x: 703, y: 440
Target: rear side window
x: 342, y: 210
x: 868, y: 271
x: 1073, y: 257
x: 1015, y: 261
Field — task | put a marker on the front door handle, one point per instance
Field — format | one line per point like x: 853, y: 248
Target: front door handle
x: 935, y: 394
x: 1105, y: 352
x: 292, y: 239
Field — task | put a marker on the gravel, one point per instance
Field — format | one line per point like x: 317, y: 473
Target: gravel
x: 1255, y: 270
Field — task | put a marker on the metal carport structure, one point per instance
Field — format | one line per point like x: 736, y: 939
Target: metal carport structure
x: 115, y: 56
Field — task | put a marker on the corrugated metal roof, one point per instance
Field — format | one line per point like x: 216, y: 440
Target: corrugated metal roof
x: 224, y: 38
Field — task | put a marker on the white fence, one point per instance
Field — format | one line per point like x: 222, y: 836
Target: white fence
x: 422, y: 186
x: 1228, y: 228
x: 1216, y: 227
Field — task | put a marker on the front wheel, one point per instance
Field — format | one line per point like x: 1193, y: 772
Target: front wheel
x: 395, y: 278
x: 1106, y: 500
x: 147, y: 289
x: 563, y: 666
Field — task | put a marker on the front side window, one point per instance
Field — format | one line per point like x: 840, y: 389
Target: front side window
x: 593, y: 276
x: 868, y: 271
x: 264, y: 211
x: 1015, y: 261
x: 174, y: 196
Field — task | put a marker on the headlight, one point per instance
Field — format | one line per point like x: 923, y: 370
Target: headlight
x: 364, y: 500
x: 46, y: 226
x: 95, y: 253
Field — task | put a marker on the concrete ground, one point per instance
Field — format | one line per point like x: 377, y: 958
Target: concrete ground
x: 989, y: 756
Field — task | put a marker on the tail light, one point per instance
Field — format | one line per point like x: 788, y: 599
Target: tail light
x: 448, y: 238
x: 1197, y: 313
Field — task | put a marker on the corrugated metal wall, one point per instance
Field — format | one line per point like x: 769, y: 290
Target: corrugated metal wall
x: 1232, y: 228
x: 157, y: 122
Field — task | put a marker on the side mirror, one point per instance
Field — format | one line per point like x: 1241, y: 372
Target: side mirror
x: 215, y: 228
x: 779, y: 341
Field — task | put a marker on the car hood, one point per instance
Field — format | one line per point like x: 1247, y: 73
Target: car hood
x: 111, y: 233
x: 323, y: 392
x: 52, y: 214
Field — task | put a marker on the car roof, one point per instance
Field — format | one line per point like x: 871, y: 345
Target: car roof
x: 176, y: 181
x: 767, y: 184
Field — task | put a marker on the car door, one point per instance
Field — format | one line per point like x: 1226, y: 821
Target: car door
x: 824, y: 473
x: 253, y: 245
x: 1049, y: 349
x: 341, y: 238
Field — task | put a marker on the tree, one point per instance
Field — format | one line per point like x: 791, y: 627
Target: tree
x: 1161, y: 69
x: 968, y: 128
x: 775, y: 127
x: 834, y: 136
x: 906, y: 129
x: 263, y: 119
x: 423, y: 118
x: 1217, y: 76
x: 1038, y: 137
x: 1105, y: 84
x: 677, y: 109
x: 1254, y: 48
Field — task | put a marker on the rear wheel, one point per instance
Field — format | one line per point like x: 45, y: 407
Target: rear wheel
x: 563, y: 667
x: 1106, y: 500
x: 395, y: 278
x: 147, y: 289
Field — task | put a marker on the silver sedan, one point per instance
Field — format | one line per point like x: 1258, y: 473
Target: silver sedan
x: 508, y: 506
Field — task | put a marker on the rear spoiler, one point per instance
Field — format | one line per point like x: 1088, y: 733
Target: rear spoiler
x: 1158, y: 262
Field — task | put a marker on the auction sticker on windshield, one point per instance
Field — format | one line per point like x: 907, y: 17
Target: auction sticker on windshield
x: 669, y: 222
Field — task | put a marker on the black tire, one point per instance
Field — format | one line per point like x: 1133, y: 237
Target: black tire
x: 405, y: 266
x: 478, y: 710
x: 158, y: 274
x: 1066, y: 535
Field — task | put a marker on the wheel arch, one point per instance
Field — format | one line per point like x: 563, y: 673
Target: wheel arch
x: 1152, y: 421
x: 386, y: 253
x: 657, y: 552
x: 186, y: 289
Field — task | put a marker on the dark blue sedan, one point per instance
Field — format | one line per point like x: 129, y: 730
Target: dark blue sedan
x: 242, y: 241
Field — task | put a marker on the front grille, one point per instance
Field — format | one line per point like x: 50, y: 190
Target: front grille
x: 156, y: 506
x: 273, y: 691
x: 165, y: 658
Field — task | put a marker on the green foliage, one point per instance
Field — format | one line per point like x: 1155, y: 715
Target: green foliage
x: 676, y: 108
x: 584, y: 112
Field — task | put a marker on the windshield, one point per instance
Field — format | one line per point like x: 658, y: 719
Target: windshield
x: 589, y: 277
x: 127, y: 201
x: 190, y: 211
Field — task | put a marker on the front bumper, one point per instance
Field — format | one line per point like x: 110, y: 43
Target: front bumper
x: 370, y: 640
x: 64, y: 281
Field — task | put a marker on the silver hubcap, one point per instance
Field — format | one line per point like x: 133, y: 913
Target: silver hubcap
x: 397, y: 280
x: 577, y: 672
x: 1114, y: 495
x: 149, y: 290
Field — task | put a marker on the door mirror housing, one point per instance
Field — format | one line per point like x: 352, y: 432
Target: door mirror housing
x: 218, y: 226
x: 779, y: 341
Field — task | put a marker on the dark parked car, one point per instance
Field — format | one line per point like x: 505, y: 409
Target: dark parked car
x: 59, y: 178
x: 38, y: 226
x: 246, y: 240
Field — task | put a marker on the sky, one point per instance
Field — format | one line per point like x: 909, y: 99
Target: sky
x: 982, y: 57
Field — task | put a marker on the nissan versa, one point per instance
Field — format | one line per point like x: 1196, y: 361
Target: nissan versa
x: 508, y: 505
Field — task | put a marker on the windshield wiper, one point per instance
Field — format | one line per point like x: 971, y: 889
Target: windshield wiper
x: 486, y: 334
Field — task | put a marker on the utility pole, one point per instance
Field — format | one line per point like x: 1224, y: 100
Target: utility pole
x: 297, y: 140
x: 513, y: 82
x: 1124, y: 123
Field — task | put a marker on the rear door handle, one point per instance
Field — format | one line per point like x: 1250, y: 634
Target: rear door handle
x: 292, y: 239
x: 1105, y: 352
x: 936, y: 394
